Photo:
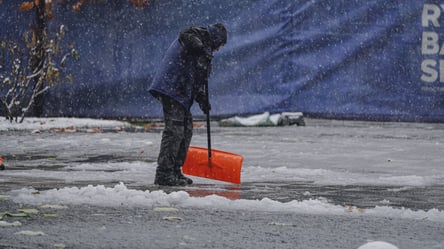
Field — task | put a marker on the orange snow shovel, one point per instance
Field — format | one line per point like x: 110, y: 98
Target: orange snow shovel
x: 2, y: 167
x: 213, y: 164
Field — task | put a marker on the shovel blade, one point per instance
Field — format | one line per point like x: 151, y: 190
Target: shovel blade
x: 223, y: 166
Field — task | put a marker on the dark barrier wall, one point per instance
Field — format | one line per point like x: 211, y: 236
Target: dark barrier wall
x: 361, y: 59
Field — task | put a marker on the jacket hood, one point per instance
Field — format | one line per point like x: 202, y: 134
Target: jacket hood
x: 218, y: 34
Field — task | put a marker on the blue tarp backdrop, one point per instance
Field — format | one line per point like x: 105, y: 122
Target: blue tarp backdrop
x: 354, y: 59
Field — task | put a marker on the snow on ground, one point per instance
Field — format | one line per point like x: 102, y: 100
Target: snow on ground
x: 51, y: 123
x: 143, y: 172
x: 378, y: 245
x: 120, y: 195
x: 326, y: 176
x: 139, y: 171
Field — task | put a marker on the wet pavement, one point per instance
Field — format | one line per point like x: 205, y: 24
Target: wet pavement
x: 98, y: 227
x: 398, y: 165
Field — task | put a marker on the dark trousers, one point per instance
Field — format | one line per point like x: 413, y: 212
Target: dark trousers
x: 176, y: 138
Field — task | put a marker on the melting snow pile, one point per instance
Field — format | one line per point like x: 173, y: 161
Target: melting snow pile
x: 120, y: 195
x: 378, y: 245
x: 265, y: 119
x: 53, y: 123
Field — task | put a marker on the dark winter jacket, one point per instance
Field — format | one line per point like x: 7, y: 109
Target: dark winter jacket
x: 184, y: 71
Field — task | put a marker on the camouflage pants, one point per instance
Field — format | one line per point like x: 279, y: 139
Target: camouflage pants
x: 176, y: 138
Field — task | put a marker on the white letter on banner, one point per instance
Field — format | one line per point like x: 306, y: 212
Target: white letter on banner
x: 429, y: 43
x: 441, y: 70
x: 429, y: 72
x: 430, y: 13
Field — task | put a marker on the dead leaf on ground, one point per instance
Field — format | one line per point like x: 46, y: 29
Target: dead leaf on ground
x: 172, y: 218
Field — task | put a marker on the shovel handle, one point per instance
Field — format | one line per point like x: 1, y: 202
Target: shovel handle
x: 209, y: 135
x: 208, y: 121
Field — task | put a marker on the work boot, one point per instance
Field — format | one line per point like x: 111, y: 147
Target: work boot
x: 182, y: 177
x: 169, y: 180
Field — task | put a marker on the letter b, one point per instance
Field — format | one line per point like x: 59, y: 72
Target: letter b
x: 429, y: 43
